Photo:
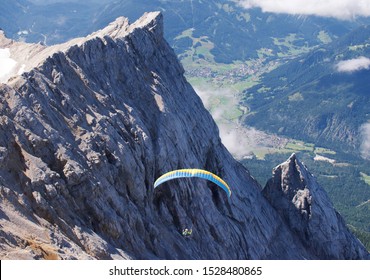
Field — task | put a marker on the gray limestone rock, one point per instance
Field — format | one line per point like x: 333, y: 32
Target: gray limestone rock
x: 308, y: 211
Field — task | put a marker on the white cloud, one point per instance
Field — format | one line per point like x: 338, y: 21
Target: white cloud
x: 211, y: 99
x: 341, y: 9
x: 6, y: 65
x: 235, y: 138
x: 240, y: 140
x: 365, y: 140
x: 205, y: 95
x: 353, y: 65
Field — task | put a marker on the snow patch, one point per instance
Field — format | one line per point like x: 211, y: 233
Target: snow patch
x: 7, y: 65
x: 21, y: 70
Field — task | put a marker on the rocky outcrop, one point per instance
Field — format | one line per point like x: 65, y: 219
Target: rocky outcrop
x: 308, y: 211
x: 86, y: 130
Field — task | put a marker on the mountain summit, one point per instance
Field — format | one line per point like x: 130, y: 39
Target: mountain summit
x: 87, y: 128
x: 294, y: 192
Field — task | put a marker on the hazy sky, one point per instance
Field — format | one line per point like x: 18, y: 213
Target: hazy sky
x: 341, y: 9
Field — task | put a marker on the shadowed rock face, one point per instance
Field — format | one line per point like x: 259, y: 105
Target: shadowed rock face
x: 308, y: 211
x: 87, y: 129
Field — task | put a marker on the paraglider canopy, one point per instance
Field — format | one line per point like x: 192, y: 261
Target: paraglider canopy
x: 188, y: 173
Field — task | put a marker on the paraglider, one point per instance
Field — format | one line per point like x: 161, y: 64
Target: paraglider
x: 187, y: 232
x: 188, y: 173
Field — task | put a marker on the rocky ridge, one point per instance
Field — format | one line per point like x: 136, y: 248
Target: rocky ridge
x: 306, y: 208
x: 86, y: 130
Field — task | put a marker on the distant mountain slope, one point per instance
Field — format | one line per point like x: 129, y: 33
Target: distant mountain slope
x: 11, y: 14
x: 50, y: 24
x: 234, y: 33
x: 329, y: 105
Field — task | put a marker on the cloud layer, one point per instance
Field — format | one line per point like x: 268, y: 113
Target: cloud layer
x: 240, y: 140
x: 235, y: 138
x: 365, y: 140
x: 353, y: 65
x: 341, y: 9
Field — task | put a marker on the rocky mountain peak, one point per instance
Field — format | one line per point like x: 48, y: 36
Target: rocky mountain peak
x: 28, y: 56
x: 292, y: 177
x: 151, y: 21
x: 305, y: 206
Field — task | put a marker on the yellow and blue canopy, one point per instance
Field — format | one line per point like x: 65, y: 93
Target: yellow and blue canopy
x: 188, y: 173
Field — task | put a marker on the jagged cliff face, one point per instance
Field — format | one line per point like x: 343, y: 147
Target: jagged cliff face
x: 87, y: 129
x: 294, y: 192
